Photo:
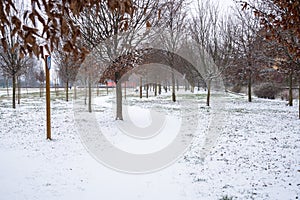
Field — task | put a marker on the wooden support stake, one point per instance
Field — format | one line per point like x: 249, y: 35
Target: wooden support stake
x: 48, y: 109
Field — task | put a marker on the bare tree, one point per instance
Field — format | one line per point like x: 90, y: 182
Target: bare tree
x: 40, y: 77
x: 68, y: 67
x: 101, y: 31
x: 248, y: 28
x: 214, y: 36
x: 281, y: 21
x: 12, y: 64
x: 173, y: 23
x: 88, y: 75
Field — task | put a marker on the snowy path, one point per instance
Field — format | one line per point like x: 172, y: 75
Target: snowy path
x: 257, y: 156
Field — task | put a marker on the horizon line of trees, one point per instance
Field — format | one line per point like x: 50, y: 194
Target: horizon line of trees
x: 257, y: 43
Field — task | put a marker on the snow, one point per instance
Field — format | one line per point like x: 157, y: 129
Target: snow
x: 256, y: 155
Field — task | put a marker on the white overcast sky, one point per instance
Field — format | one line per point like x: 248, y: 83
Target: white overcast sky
x: 224, y: 5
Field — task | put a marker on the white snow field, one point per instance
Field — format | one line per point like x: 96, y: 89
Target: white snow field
x: 256, y: 156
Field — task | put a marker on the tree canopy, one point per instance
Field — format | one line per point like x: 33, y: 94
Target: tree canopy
x: 277, y: 15
x: 51, y: 17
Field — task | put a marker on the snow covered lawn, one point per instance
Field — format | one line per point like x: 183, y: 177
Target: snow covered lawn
x: 257, y: 156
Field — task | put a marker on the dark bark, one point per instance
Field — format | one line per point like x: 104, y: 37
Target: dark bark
x: 19, y: 90
x: 159, y: 89
x: 86, y: 92
x: 67, y: 91
x: 41, y: 90
x: 56, y: 88
x: 299, y: 98
x: 147, y: 91
x: 119, y: 101
x: 14, y: 91
x: 106, y: 88
x: 173, y: 88
x: 166, y: 86
x: 291, y: 88
x: 208, y: 92
x: 75, y: 92
x: 141, y: 87
x: 125, y: 86
x: 249, y: 88
x: 90, y: 94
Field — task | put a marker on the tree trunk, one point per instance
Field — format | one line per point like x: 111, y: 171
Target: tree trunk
x: 106, y: 88
x: 159, y: 88
x: 98, y: 90
x: 55, y: 87
x: 249, y: 88
x: 141, y: 87
x: 67, y: 91
x: 299, y: 98
x: 41, y: 88
x: 208, y: 92
x: 125, y: 85
x: 173, y: 88
x: 177, y: 84
x: 192, y: 89
x: 19, y: 90
x: 291, y: 88
x: 119, y: 101
x: 166, y: 86
x: 85, y: 92
x: 155, y: 89
x: 90, y: 94
x: 75, y: 91
x: 14, y: 91
x: 27, y: 88
x: 147, y: 91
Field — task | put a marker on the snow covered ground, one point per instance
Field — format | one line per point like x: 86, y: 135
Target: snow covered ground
x: 256, y: 156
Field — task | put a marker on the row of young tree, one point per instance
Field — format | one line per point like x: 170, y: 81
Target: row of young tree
x: 247, y: 46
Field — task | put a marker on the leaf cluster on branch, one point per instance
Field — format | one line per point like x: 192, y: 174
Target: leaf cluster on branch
x: 52, y: 17
x: 277, y: 16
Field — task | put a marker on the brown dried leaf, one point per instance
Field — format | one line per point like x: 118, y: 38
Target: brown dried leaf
x: 21, y: 54
x: 16, y: 21
x: 67, y: 47
x: 30, y: 39
x: 36, y: 50
x: 40, y: 18
x: 16, y: 45
x: 47, y: 48
x: 4, y: 43
x: 148, y: 24
x: 29, y: 29
x: 2, y: 30
x: 14, y: 31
